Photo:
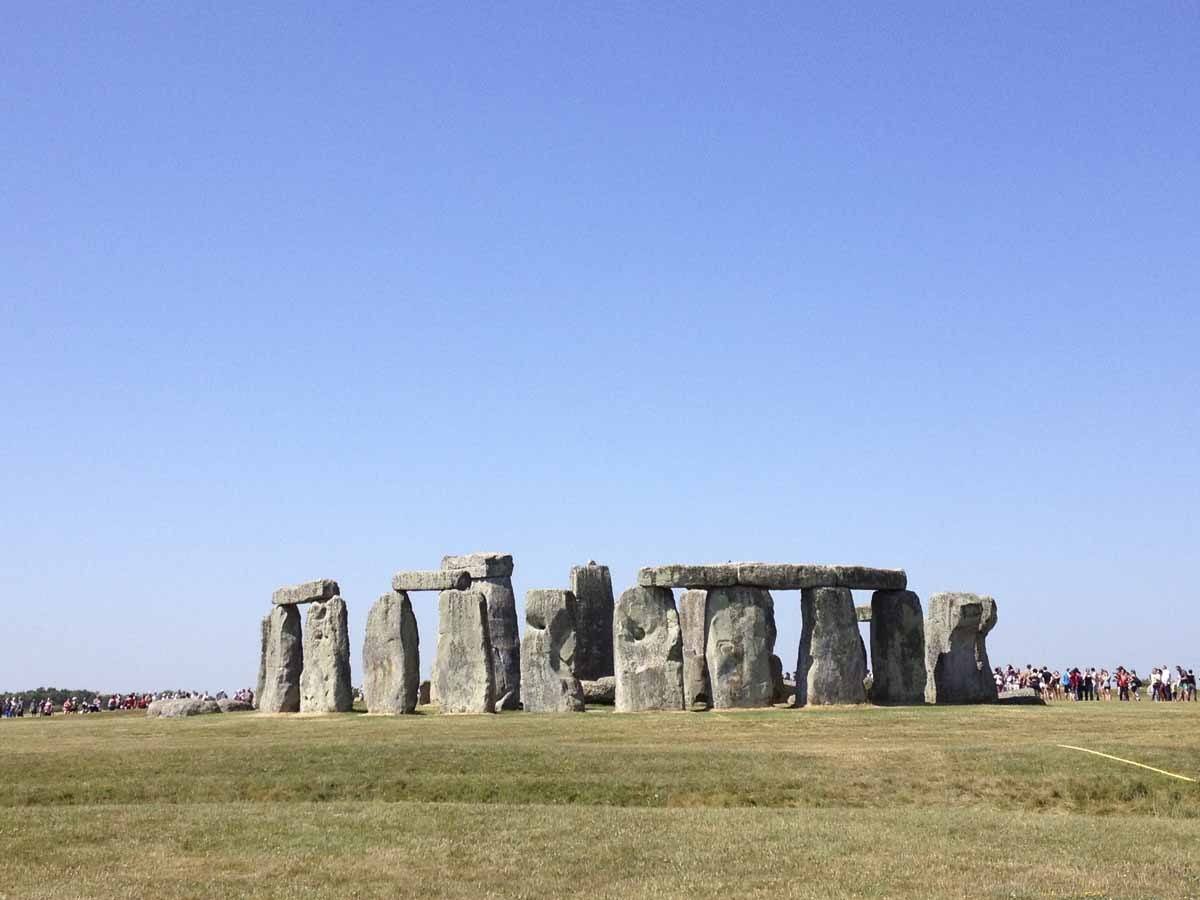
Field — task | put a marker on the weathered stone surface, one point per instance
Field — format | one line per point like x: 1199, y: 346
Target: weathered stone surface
x: 1021, y: 697
x: 433, y: 580
x: 600, y: 691
x: 481, y: 565
x: 172, y: 709
x: 462, y: 673
x: 592, y: 587
x: 785, y: 576
x: 697, y: 693
x: 391, y: 658
x: 228, y: 704
x: 502, y: 618
x: 500, y: 704
x: 262, y: 660
x: 740, y: 637
x: 779, y: 688
x: 325, y: 681
x: 284, y: 662
x: 684, y: 576
x: 774, y: 576
x: 956, y: 660
x: 647, y: 650
x: 425, y: 693
x: 864, y: 578
x: 548, y: 682
x: 309, y: 592
x: 863, y: 612
x: 897, y: 648
x: 831, y: 665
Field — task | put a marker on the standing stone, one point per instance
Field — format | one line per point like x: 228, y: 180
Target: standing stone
x: 262, y: 660
x: 424, y: 694
x: 548, y: 682
x: 831, y: 666
x: 897, y: 648
x: 592, y: 587
x: 740, y: 636
x: 462, y: 670
x: 325, y: 681
x: 956, y: 660
x: 647, y: 650
x: 391, y: 656
x: 283, y: 662
x: 697, y: 693
x: 491, y: 575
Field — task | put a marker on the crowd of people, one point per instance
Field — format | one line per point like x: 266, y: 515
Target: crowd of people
x: 19, y: 706
x: 1164, y: 684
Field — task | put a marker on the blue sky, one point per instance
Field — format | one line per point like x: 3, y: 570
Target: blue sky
x: 329, y: 291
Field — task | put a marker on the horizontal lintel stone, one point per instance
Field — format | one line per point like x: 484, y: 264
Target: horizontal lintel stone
x: 481, y: 565
x: 718, y: 575
x: 308, y: 592
x: 432, y: 580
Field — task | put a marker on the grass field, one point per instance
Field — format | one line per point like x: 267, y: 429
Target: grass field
x: 928, y: 802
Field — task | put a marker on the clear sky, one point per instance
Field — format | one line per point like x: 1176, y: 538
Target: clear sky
x: 291, y: 292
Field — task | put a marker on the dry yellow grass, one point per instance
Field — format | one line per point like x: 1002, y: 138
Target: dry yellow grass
x: 932, y: 802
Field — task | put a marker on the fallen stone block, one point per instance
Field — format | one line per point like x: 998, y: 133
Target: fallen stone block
x: 228, y: 704
x: 188, y: 706
x: 600, y: 691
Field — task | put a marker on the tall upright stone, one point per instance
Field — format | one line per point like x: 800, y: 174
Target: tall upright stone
x: 697, y: 693
x: 740, y: 638
x: 548, y: 682
x: 592, y: 587
x: 283, y: 662
x: 325, y: 681
x: 265, y: 638
x: 647, y: 650
x: 831, y: 665
x: 463, y: 668
x: 897, y: 648
x: 956, y: 660
x: 391, y: 656
x: 491, y: 575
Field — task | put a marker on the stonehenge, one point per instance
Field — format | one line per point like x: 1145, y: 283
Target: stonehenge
x: 463, y: 673
x: 716, y: 649
x: 548, y: 681
x: 282, y: 661
x: 592, y: 586
x: 697, y: 692
x: 739, y: 635
x: 830, y: 668
x: 325, y: 677
x: 897, y: 648
x: 956, y: 660
x: 391, y: 656
x: 647, y: 650
x: 491, y: 575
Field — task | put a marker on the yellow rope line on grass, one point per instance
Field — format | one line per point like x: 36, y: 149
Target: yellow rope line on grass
x: 1129, y: 762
